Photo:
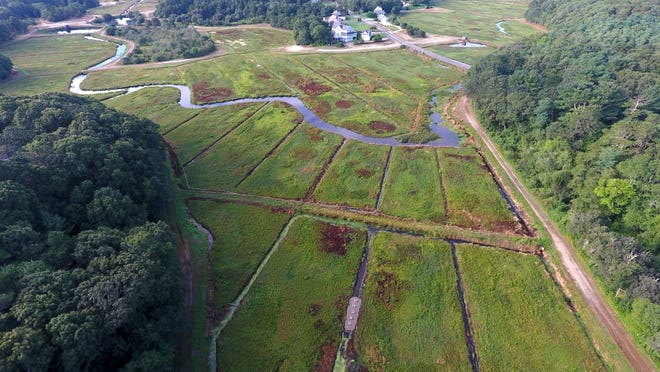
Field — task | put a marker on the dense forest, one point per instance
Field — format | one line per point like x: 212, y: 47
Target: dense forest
x: 16, y: 15
x: 163, y: 42
x: 5, y: 67
x: 89, y: 278
x: 302, y: 16
x: 577, y: 111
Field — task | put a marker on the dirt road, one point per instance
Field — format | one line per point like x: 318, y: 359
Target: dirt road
x: 582, y: 279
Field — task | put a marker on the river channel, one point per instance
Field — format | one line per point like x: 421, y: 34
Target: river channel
x: 447, y: 137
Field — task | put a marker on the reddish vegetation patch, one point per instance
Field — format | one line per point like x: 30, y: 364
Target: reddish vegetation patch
x: 314, y: 309
x: 314, y: 134
x: 203, y: 93
x: 343, y: 104
x: 344, y: 75
x: 290, y: 212
x: 507, y: 227
x: 388, y: 288
x: 297, y: 120
x: 303, y: 154
x: 280, y: 104
x: 321, y: 108
x: 327, y: 360
x: 264, y: 76
x: 335, y: 238
x: 364, y: 173
x: 381, y: 127
x: 312, y: 88
x: 462, y: 157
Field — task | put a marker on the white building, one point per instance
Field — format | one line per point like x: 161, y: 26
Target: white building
x: 343, y: 33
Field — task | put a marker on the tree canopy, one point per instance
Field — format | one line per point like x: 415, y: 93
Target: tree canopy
x: 577, y: 110
x: 89, y: 278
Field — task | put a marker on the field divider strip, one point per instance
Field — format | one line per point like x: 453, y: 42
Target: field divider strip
x: 442, y: 184
x: 180, y: 124
x: 516, y: 243
x: 233, y: 306
x: 384, y: 179
x: 269, y: 154
x: 469, y: 336
x: 326, y: 166
x: 227, y: 133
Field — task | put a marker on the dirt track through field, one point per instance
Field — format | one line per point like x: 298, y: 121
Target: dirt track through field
x: 584, y: 282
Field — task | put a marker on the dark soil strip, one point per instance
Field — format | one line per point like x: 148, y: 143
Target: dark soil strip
x: 180, y: 124
x: 442, y: 184
x: 382, y: 181
x: 506, y: 197
x: 469, y: 338
x: 230, y: 131
x: 277, y: 145
x: 318, y: 179
x: 551, y: 273
x: 362, y: 271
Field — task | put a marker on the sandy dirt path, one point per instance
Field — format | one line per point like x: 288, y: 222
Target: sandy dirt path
x: 581, y: 277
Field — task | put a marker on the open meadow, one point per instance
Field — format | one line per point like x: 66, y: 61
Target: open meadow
x: 292, y: 318
x: 412, y: 316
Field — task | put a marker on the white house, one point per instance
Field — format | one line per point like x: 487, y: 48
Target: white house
x: 343, y: 33
x: 366, y: 35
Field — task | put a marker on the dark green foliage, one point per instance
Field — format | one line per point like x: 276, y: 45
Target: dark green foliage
x: 388, y: 6
x: 16, y: 15
x: 301, y: 16
x: 164, y: 43
x: 5, y: 67
x: 578, y: 111
x: 88, y: 280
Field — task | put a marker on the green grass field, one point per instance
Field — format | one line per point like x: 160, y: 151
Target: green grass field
x: 292, y: 318
x: 412, y: 187
x: 293, y: 167
x: 160, y: 105
x: 231, y: 159
x: 411, y: 318
x: 473, y: 18
x: 209, y: 125
x: 519, y: 317
x: 251, y: 39
x: 473, y: 199
x: 47, y: 64
x: 243, y: 234
x: 354, y: 176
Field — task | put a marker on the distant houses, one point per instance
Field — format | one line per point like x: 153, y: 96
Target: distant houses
x: 340, y: 31
x: 380, y: 15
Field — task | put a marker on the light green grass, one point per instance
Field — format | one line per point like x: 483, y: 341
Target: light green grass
x: 296, y: 308
x: 160, y: 105
x: 411, y: 318
x: 47, y: 64
x: 230, y: 160
x: 473, y: 18
x: 354, y: 176
x: 251, y: 39
x: 293, y: 167
x: 243, y: 234
x: 412, y: 187
x: 473, y: 199
x: 519, y: 317
x: 467, y: 55
x: 209, y: 125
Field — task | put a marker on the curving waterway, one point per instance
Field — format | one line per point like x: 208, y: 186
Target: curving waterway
x: 448, y: 138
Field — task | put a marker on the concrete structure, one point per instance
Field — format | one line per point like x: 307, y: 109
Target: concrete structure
x: 352, y: 313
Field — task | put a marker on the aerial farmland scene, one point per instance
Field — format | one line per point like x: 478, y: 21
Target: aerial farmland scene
x: 350, y: 185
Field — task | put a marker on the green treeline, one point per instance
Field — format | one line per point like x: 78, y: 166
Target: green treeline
x: 5, y: 67
x: 302, y: 16
x: 577, y: 111
x: 89, y: 278
x: 163, y: 43
x: 16, y: 15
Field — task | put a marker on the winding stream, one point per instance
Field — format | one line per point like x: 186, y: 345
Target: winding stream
x: 499, y: 27
x: 448, y: 138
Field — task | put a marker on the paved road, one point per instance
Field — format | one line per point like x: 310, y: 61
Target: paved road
x: 392, y: 36
x: 582, y: 279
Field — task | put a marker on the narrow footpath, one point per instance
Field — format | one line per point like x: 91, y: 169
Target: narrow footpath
x: 581, y: 277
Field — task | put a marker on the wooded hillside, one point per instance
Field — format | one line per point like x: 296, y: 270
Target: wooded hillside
x: 577, y: 112
x: 89, y: 278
